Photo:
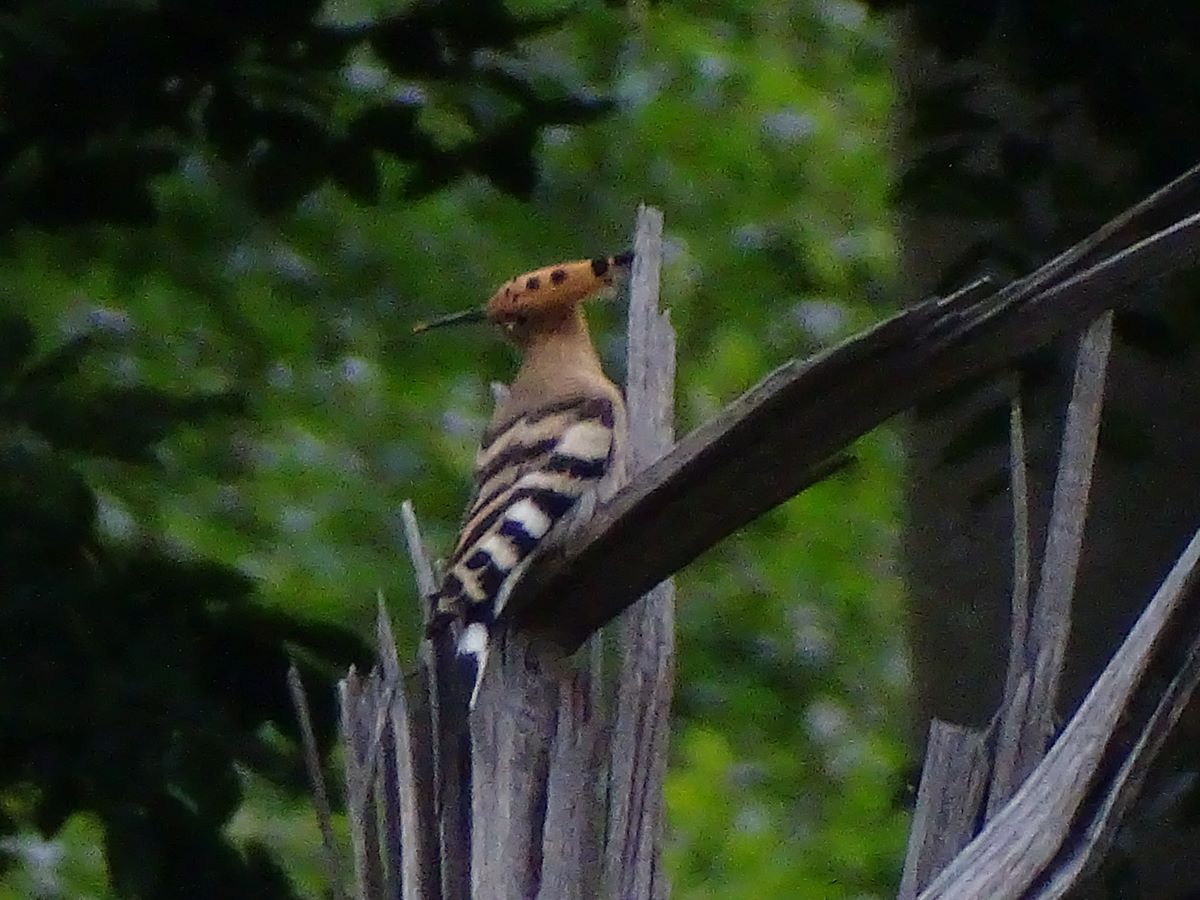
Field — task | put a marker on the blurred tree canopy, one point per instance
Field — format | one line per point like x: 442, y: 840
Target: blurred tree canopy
x: 102, y: 98
x: 136, y: 680
x: 222, y: 220
x: 133, y: 682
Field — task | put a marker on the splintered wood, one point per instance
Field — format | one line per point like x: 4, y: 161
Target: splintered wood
x: 550, y: 788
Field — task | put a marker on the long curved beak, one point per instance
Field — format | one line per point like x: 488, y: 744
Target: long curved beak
x: 458, y: 318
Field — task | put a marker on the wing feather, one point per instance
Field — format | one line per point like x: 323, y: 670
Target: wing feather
x: 530, y: 473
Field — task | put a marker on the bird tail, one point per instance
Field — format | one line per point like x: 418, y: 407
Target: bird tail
x: 473, y: 655
x: 471, y: 652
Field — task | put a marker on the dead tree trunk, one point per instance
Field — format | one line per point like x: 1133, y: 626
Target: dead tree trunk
x: 553, y: 790
x: 1019, y: 809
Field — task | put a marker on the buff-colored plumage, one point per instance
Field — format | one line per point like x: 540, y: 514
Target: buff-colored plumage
x: 555, y: 446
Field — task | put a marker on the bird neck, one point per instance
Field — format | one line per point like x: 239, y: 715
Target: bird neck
x: 558, y: 347
x: 559, y: 361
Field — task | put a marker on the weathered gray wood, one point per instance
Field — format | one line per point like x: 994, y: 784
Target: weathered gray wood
x: 1011, y: 724
x: 512, y: 730
x: 638, y: 742
x: 357, y: 696
x: 1084, y: 855
x: 1010, y: 718
x: 953, y: 782
x: 407, y: 787
x: 1027, y: 716
x: 1041, y: 841
x: 1045, y: 856
x: 439, y: 867
x: 535, y: 768
x: 1018, y: 848
x: 395, y: 777
x: 391, y: 803
x: 394, y: 782
x: 418, y: 794
x: 574, y: 798
x: 450, y: 751
x: 372, y: 720
x: 765, y: 446
x: 348, y: 690
x: 1022, y: 564
x: 312, y: 762
x: 1051, y: 615
x: 650, y: 363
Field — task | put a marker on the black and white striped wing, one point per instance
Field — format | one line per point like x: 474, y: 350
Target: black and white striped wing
x: 530, y: 474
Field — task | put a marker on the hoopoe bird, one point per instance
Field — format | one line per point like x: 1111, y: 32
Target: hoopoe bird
x: 555, y: 447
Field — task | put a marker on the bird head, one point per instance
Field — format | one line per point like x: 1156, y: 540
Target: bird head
x: 540, y: 301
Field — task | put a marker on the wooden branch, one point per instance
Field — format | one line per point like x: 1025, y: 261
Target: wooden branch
x: 638, y: 744
x: 953, y: 788
x: 512, y: 751
x: 448, y: 750
x: 408, y: 784
x: 312, y: 762
x: 1051, y: 614
x: 965, y: 766
x: 1099, y: 826
x: 1022, y: 564
x: 356, y: 700
x: 1045, y: 830
x: 573, y: 838
x: 1027, y: 716
x: 770, y: 444
x: 1029, y: 849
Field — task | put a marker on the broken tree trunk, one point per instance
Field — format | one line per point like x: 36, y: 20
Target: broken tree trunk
x: 552, y: 792
x: 1012, y: 810
x: 552, y: 787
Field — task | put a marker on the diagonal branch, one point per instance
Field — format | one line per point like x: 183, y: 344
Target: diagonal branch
x: 779, y: 437
x: 1037, y: 651
x: 1032, y: 847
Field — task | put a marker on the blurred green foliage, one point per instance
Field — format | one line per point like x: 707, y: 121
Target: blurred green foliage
x: 761, y: 130
x: 104, y: 97
x: 134, y: 681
